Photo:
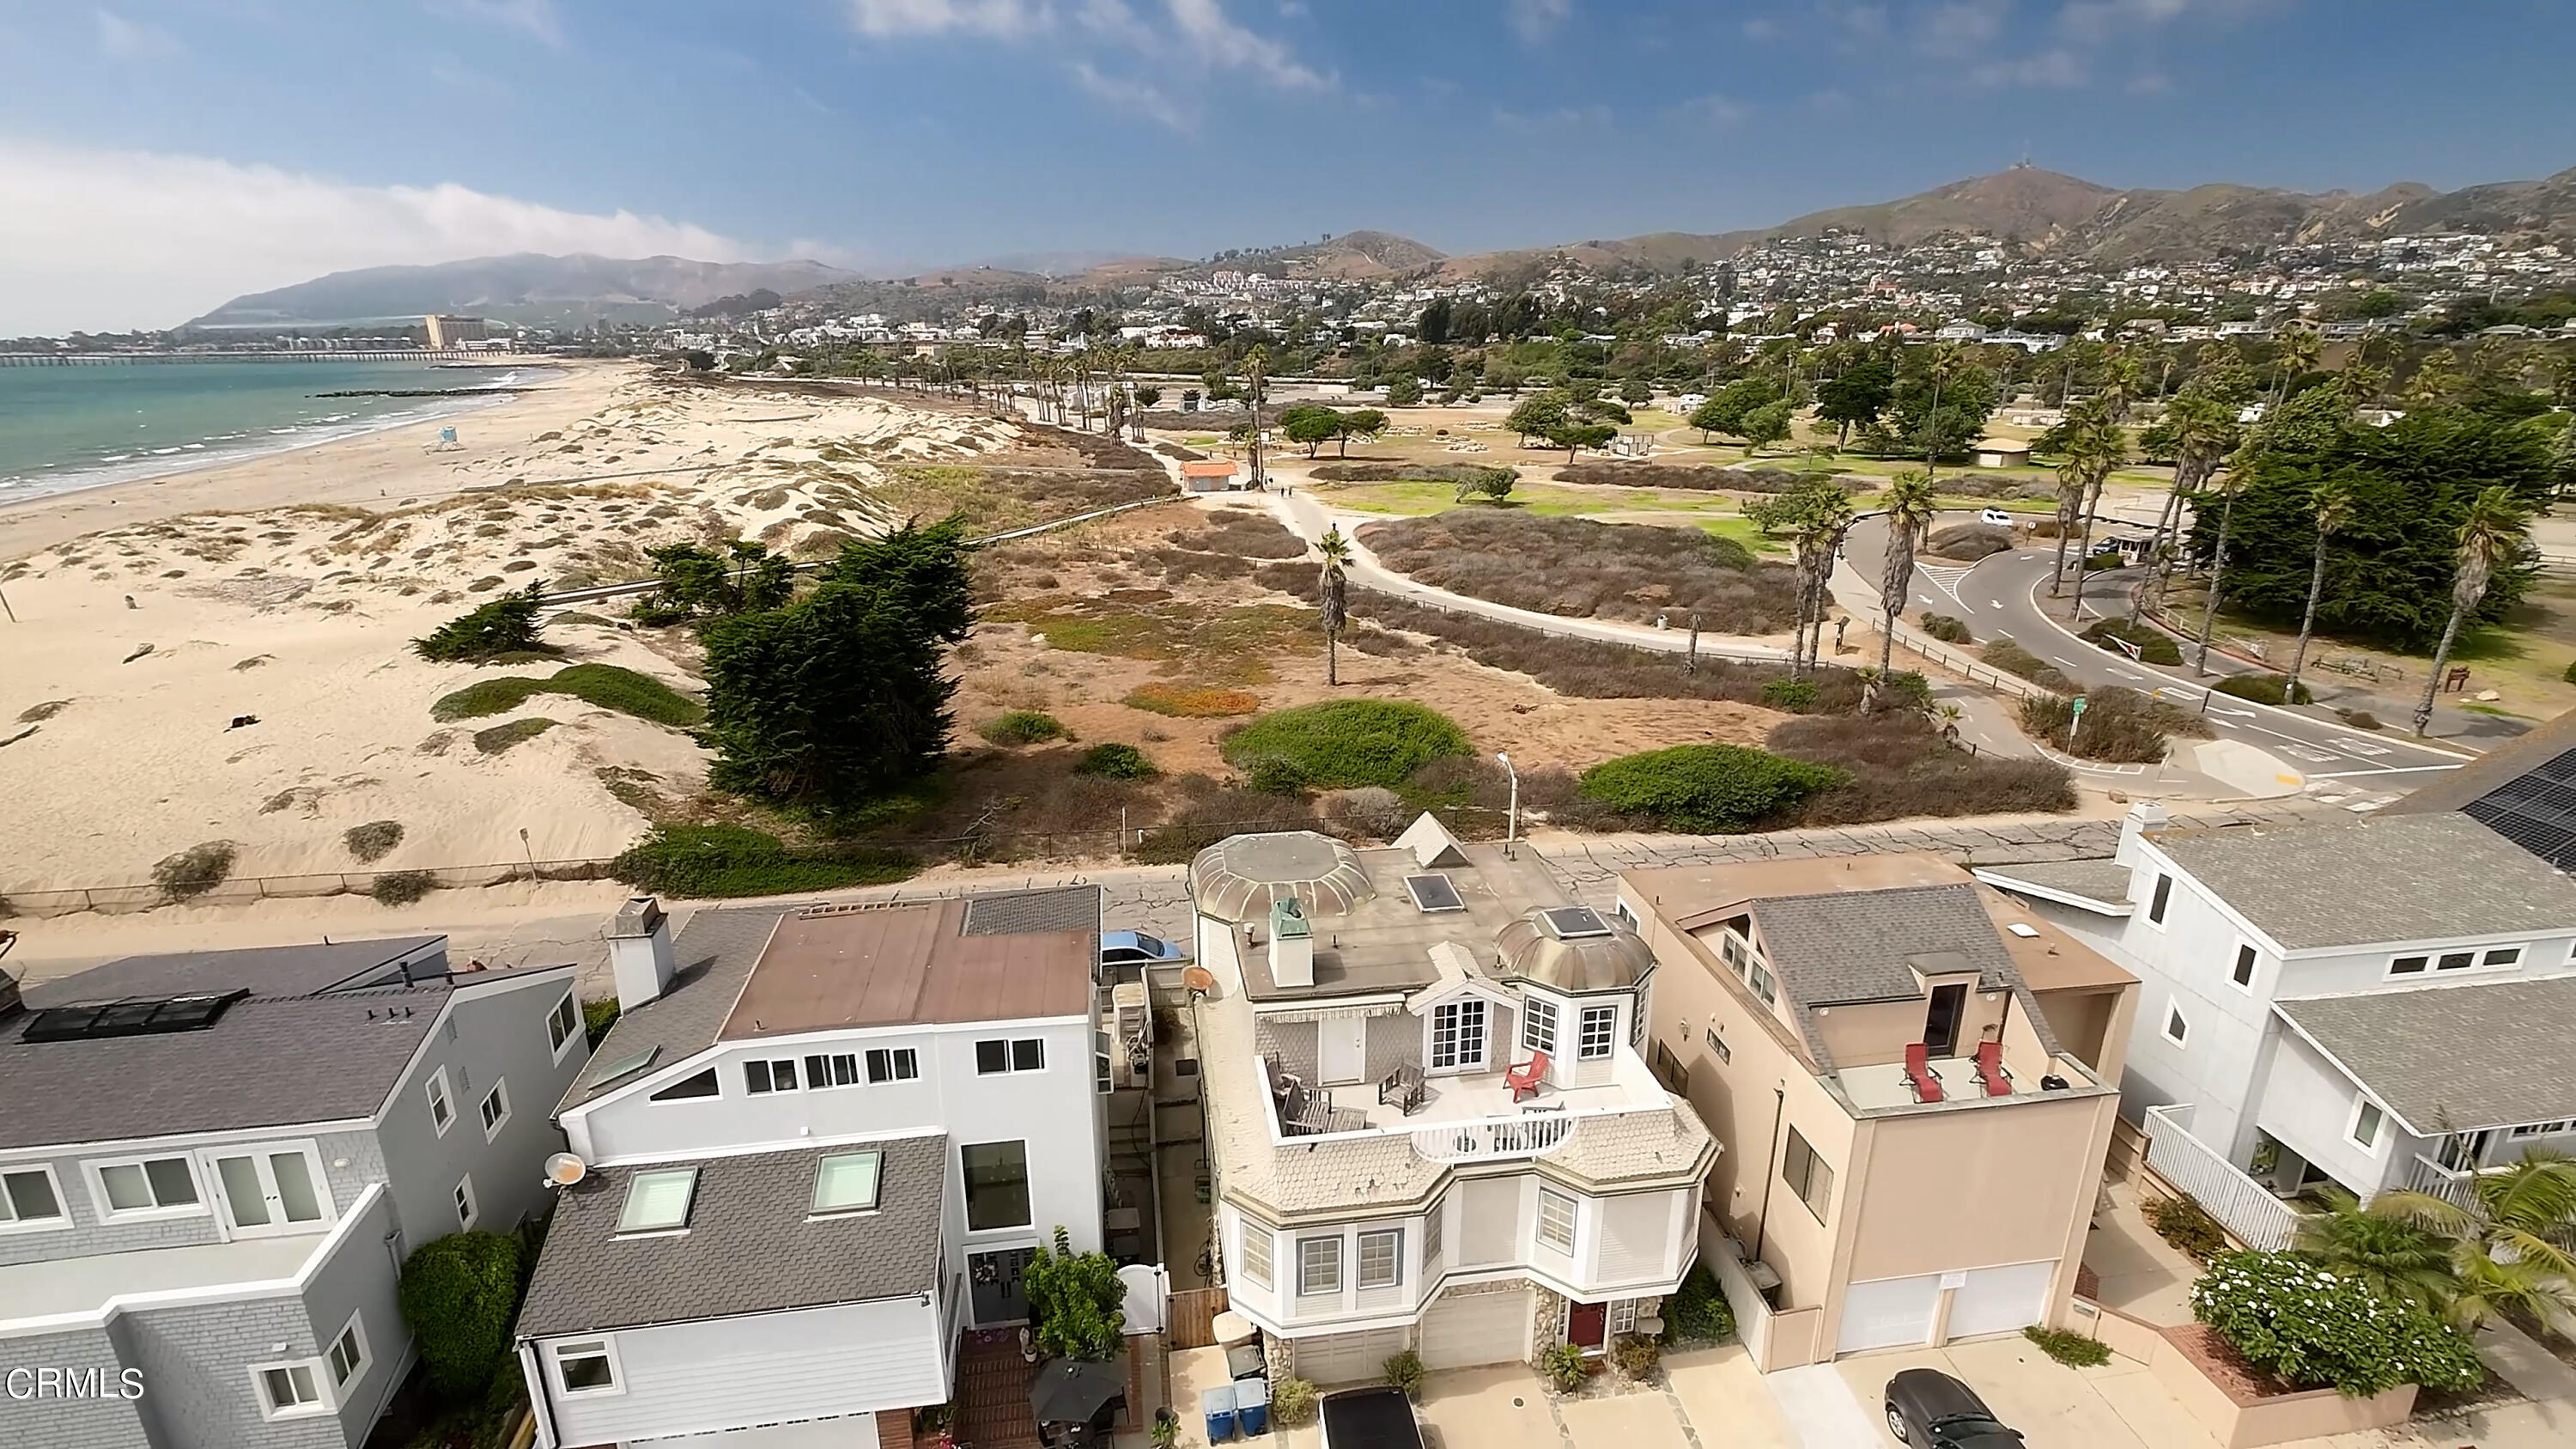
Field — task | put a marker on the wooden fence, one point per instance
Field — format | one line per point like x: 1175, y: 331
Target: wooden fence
x: 1192, y: 1317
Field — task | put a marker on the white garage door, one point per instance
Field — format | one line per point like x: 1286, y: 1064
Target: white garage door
x: 857, y: 1431
x: 1888, y: 1313
x: 1463, y: 1330
x: 1348, y: 1358
x: 2000, y: 1300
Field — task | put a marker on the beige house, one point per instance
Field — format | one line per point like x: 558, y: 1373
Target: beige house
x: 1910, y: 1075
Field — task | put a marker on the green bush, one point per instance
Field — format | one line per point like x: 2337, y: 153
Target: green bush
x: 1699, y: 1312
x: 195, y: 870
x: 1565, y: 1367
x: 2313, y: 1329
x: 597, y: 1017
x: 372, y: 841
x: 1404, y: 1371
x: 2155, y: 646
x: 2103, y: 563
x: 1706, y: 789
x: 2071, y: 1349
x: 604, y: 685
x: 506, y: 625
x: 2360, y: 719
x: 2011, y: 658
x: 1277, y: 775
x: 1797, y: 696
x: 1074, y: 1298
x: 459, y: 1294
x: 402, y: 887
x: 1635, y: 1355
x: 1947, y: 629
x: 1347, y: 743
x: 484, y: 697
x: 2188, y: 1227
x: 518, y: 731
x: 2262, y: 688
x: 1292, y: 1403
x: 708, y: 862
x: 1023, y: 727
x: 1116, y: 762
x: 2119, y: 726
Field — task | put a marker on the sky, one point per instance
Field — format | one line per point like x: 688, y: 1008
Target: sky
x: 158, y: 157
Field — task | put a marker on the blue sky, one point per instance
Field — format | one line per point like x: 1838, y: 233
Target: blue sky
x: 158, y: 157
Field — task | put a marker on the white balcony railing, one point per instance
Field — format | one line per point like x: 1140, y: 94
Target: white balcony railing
x: 2451, y: 1184
x: 2247, y: 1208
x: 1525, y: 1136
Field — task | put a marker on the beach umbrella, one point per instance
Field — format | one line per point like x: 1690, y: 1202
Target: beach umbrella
x: 1072, y: 1390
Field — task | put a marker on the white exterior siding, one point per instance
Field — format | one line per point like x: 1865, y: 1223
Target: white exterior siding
x: 690, y: 1378
x: 2309, y: 1104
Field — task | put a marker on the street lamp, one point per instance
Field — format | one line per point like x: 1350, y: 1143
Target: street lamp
x: 1511, y: 815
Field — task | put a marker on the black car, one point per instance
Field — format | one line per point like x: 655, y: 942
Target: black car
x: 1370, y: 1419
x: 1930, y: 1410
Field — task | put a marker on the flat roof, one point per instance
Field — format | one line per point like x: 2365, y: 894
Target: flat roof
x: 1383, y: 943
x: 2049, y: 958
x: 1011, y: 957
x: 58, y: 1286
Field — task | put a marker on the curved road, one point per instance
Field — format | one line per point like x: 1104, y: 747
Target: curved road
x: 1996, y: 599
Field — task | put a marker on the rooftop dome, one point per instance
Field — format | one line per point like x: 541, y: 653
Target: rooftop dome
x: 1239, y: 879
x: 1573, y: 949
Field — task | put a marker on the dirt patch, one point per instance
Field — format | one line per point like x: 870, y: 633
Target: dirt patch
x: 1575, y: 568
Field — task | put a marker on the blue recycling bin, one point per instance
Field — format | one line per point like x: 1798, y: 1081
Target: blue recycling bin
x: 1252, y: 1406
x: 1218, y: 1405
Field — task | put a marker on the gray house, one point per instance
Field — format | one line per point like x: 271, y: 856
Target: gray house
x: 212, y: 1165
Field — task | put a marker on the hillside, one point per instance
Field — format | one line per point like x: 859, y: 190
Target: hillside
x: 523, y: 288
x: 1354, y: 256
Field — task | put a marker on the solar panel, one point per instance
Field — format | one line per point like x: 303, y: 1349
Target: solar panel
x: 1434, y: 893
x: 1572, y: 922
x: 2535, y: 810
x: 134, y: 1016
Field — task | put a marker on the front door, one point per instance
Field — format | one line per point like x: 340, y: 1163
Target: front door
x: 1941, y: 1022
x: 1588, y: 1324
x: 994, y: 1279
x: 271, y: 1190
x: 1341, y: 1049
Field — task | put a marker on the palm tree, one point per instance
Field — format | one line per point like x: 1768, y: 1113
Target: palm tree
x: 2203, y: 429
x: 2093, y: 447
x: 2295, y: 353
x: 2097, y: 448
x: 2226, y: 486
x: 2393, y: 1258
x: 2512, y: 1245
x: 2332, y: 503
x: 1946, y: 362
x: 1949, y: 717
x: 1910, y: 506
x: 1331, y: 591
x: 2490, y: 536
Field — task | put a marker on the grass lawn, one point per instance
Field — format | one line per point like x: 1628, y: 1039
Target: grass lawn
x: 1744, y: 531
x: 2008, y: 505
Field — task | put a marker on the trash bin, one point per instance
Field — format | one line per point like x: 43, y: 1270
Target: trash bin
x: 1252, y: 1406
x: 1218, y: 1405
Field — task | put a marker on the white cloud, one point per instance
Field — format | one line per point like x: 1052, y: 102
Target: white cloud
x: 1132, y: 95
x: 2055, y: 68
x: 1711, y: 110
x: 1217, y: 41
x: 108, y: 240
x: 1960, y: 27
x: 1761, y: 27
x: 1186, y: 43
x: 535, y: 19
x: 134, y: 40
x: 1535, y: 20
x: 1003, y: 19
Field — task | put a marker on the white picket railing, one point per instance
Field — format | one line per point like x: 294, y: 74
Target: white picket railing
x: 1525, y: 1136
x: 2247, y: 1208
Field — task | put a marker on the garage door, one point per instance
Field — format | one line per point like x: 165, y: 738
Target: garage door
x: 2000, y: 1300
x: 1888, y: 1313
x: 1463, y: 1330
x: 1348, y: 1358
x: 858, y: 1431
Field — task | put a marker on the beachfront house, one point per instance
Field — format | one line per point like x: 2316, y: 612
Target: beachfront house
x: 212, y: 1165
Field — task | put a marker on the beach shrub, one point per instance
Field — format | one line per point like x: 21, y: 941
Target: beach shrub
x: 2263, y: 688
x: 1579, y: 568
x: 1797, y: 696
x: 1371, y: 810
x: 606, y: 685
x: 2188, y: 1227
x: 1277, y: 775
x: 1186, y: 702
x: 518, y: 731
x: 1947, y: 629
x: 458, y: 1295
x: 402, y: 887
x: 37, y: 713
x: 1565, y: 1367
x: 2314, y: 1329
x: 1635, y: 1355
x: 1405, y: 1371
x: 2011, y: 658
x: 1292, y: 1403
x: 2071, y: 1349
x: 708, y: 862
x: 1699, y: 1312
x: 372, y: 841
x: 2360, y: 719
x: 1345, y: 743
x: 1022, y: 727
x: 195, y: 870
x: 1706, y: 789
x: 1900, y: 766
x: 483, y: 697
x: 507, y: 624
x: 1116, y: 762
x: 2154, y: 645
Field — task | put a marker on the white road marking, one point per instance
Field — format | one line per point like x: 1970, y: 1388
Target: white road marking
x: 2358, y: 747
x: 2383, y: 770
x: 2305, y: 752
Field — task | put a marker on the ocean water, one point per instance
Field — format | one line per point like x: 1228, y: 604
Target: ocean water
x: 63, y: 428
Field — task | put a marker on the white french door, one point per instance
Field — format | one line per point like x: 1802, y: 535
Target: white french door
x: 271, y: 1189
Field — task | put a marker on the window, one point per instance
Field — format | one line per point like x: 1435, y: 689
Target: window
x: 2366, y: 1118
x: 846, y: 1182
x: 1717, y: 1046
x: 1256, y: 1254
x: 1538, y: 1025
x: 288, y: 1390
x: 496, y: 1109
x: 1759, y: 979
x: 2243, y: 974
x: 1623, y: 1316
x: 1668, y: 1069
x: 768, y: 1076
x: 1600, y: 1028
x: 2409, y: 965
x: 1620, y: 909
x: 1431, y: 1235
x: 348, y: 1356
x: 466, y: 1208
x: 28, y: 1199
x: 1807, y: 1175
x: 1319, y: 1266
x: 658, y: 1201
x: 588, y: 1367
x: 841, y: 1069
x: 893, y: 1064
x: 997, y: 1184
x: 563, y: 1024
x: 2456, y: 961
x: 2539, y: 1129
x: 1458, y: 1035
x: 1382, y: 1258
x: 1026, y: 1054
x: 161, y: 1184
x: 2177, y: 1030
x: 2162, y: 898
x: 701, y: 1085
x: 2502, y: 956
x: 441, y: 1113
x: 1100, y: 1074
x: 1555, y: 1220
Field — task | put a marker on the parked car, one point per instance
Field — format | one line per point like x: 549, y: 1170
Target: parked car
x: 1927, y: 1409
x: 1379, y: 1418
x: 1136, y: 948
x: 1995, y: 516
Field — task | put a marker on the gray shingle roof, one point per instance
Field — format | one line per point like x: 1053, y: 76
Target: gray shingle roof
x: 713, y: 954
x: 2106, y: 881
x: 2396, y: 878
x: 2456, y: 1058
x: 1851, y: 946
x: 267, y: 970
x: 750, y: 1247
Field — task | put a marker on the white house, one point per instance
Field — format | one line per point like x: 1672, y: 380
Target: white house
x: 821, y: 1142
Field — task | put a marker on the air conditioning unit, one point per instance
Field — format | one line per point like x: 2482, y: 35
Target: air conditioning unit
x: 1131, y: 1029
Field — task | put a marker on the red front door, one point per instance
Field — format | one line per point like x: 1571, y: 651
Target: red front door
x: 1588, y: 1324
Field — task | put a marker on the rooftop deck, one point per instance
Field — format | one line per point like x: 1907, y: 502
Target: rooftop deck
x: 1884, y: 1084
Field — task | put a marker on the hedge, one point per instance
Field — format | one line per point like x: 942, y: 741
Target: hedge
x: 707, y: 862
x: 1345, y: 744
x: 1706, y: 789
x: 2262, y: 688
x: 459, y: 1294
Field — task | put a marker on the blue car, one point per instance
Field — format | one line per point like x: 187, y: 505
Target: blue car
x: 1136, y: 948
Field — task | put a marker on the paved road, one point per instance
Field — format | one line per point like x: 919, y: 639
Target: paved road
x: 1995, y: 598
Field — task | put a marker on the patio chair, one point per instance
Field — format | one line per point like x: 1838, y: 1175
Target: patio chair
x: 1403, y: 1089
x: 1918, y: 1072
x: 1990, y: 1069
x: 1524, y: 1079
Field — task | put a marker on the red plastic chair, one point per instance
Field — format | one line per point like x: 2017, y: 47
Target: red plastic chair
x: 1990, y: 1069
x: 1918, y: 1070
x: 1524, y: 1079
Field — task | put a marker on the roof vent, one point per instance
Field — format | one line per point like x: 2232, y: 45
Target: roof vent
x: 1573, y: 923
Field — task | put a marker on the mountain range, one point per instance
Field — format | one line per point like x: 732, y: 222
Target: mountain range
x: 2042, y: 213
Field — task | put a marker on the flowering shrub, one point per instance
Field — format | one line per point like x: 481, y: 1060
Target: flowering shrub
x: 2300, y: 1323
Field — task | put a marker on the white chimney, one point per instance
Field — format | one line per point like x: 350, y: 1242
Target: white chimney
x: 1292, y: 945
x: 639, y: 952
x: 2145, y: 816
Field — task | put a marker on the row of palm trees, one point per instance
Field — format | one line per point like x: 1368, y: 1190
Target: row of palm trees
x: 2509, y: 1249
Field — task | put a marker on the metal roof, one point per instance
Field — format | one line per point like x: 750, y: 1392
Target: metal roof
x: 1238, y: 879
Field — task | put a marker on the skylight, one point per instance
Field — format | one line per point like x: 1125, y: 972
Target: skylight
x: 1574, y: 922
x: 1433, y: 893
x: 2021, y: 929
x: 658, y: 1201
x: 846, y: 1182
x: 135, y: 1016
x: 625, y: 1066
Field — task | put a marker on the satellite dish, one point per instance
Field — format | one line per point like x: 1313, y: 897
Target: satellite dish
x: 1198, y: 979
x: 563, y: 1169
